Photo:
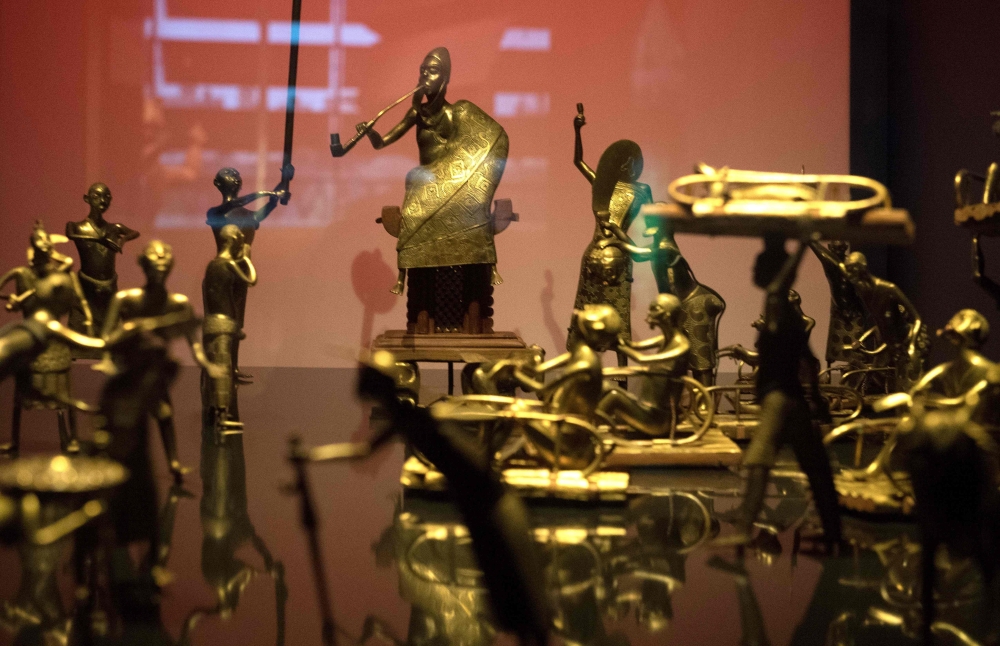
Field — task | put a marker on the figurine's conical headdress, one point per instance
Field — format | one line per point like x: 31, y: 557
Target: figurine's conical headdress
x: 443, y: 57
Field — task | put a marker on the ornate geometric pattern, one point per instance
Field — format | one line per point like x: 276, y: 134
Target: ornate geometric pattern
x: 446, y: 210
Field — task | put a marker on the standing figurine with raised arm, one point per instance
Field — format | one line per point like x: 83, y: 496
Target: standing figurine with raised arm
x: 785, y: 415
x: 233, y: 211
x: 617, y: 196
x: 655, y: 412
x: 848, y: 319
x: 176, y: 319
x: 902, y: 332
x: 98, y: 242
x: 227, y: 278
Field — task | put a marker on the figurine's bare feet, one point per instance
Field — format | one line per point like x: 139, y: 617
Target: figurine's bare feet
x: 243, y: 377
x: 178, y: 470
x: 73, y: 447
x: 397, y: 289
x: 8, y: 449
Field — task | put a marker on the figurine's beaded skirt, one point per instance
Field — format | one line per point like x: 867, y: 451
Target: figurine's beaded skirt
x: 453, y: 298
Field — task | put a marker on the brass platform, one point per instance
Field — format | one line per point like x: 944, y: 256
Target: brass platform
x: 450, y: 348
x: 873, y: 495
x: 602, y: 486
x: 713, y: 450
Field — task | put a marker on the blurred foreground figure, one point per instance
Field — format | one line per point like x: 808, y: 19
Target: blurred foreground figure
x: 786, y: 415
x: 953, y: 465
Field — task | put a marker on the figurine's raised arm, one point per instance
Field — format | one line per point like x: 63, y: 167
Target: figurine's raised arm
x: 250, y: 275
x: 378, y: 141
x: 678, y: 346
x: 579, y: 121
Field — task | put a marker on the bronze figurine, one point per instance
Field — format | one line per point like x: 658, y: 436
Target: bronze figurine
x: 97, y: 242
x: 701, y: 306
x: 617, y: 196
x: 954, y: 466
x: 167, y: 316
x: 786, y: 414
x: 233, y: 210
x: 27, y: 347
x: 445, y: 227
x: 655, y: 411
x: 902, y: 333
x: 46, y: 291
x: 224, y: 289
x: 576, y: 392
x: 848, y: 319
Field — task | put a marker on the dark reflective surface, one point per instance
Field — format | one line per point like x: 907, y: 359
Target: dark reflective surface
x: 402, y: 571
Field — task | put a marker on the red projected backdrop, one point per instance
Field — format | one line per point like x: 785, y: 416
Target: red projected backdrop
x: 154, y: 97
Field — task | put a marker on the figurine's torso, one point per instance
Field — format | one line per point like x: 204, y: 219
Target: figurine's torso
x: 97, y: 244
x: 219, y: 289
x: 580, y: 394
x: 242, y: 217
x: 887, y: 313
x: 434, y: 131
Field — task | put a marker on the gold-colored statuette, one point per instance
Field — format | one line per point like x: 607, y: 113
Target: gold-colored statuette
x: 445, y: 227
x: 727, y: 201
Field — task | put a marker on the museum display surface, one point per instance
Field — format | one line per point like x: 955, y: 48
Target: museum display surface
x: 805, y: 452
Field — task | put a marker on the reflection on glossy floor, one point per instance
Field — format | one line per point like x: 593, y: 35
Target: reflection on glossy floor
x: 401, y: 570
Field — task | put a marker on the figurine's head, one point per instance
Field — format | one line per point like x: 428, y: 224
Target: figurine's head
x: 968, y: 329
x: 620, y: 162
x: 839, y: 248
x: 233, y: 240
x: 857, y: 267
x: 98, y: 197
x: 435, y: 72
x: 156, y: 260
x: 599, y: 325
x: 228, y: 181
x: 41, y: 243
x: 769, y: 261
x: 664, y: 311
x: 605, y: 265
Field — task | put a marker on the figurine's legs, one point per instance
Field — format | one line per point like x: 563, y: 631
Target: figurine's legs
x: 815, y: 462
x: 74, y: 437
x: 400, y: 283
x: 620, y: 404
x: 706, y: 377
x: 165, y: 420
x: 64, y: 435
x: 776, y: 412
x: 241, y: 307
x: 15, y: 425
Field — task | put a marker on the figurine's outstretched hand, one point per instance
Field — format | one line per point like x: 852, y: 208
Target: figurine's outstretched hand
x: 579, y: 120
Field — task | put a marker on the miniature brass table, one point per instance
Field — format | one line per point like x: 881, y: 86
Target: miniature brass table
x: 450, y: 348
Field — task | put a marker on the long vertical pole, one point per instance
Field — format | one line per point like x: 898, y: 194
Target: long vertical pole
x: 293, y: 72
